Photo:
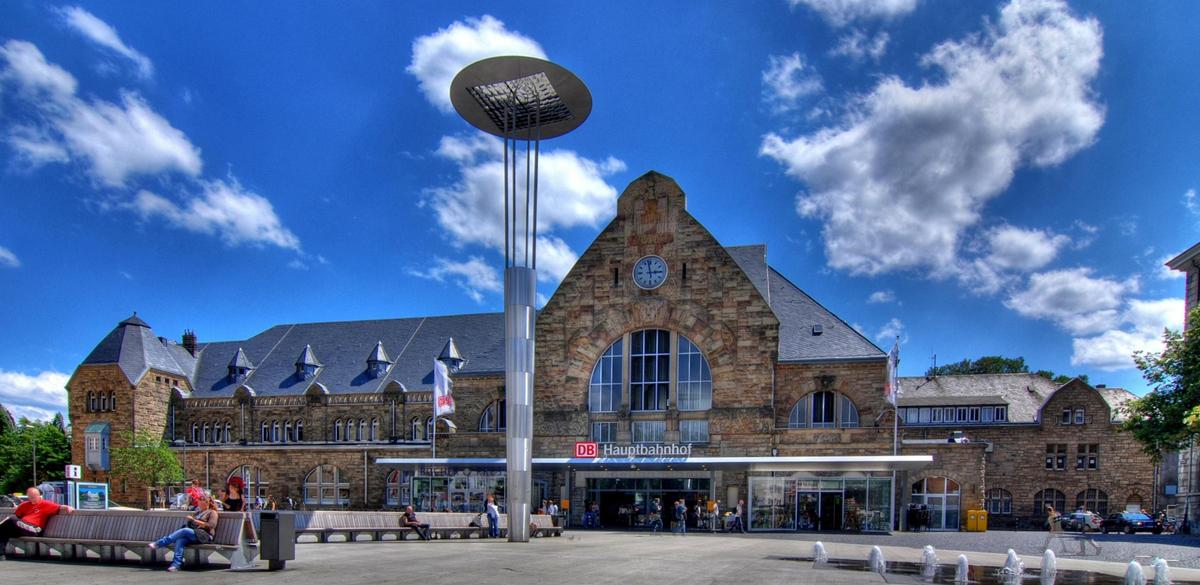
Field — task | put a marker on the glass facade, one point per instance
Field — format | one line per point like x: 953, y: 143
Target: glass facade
x: 804, y: 502
x: 439, y: 488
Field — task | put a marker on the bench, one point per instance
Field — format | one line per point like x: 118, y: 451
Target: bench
x: 114, y: 535
x: 342, y: 526
x: 1076, y: 537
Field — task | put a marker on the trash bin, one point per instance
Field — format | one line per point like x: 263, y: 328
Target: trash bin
x: 276, y: 538
x: 976, y: 520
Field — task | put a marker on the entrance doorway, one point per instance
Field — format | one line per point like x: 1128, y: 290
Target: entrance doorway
x: 627, y: 502
x: 941, y: 495
x: 819, y: 510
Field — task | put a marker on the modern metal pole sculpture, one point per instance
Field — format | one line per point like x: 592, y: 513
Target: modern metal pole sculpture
x: 521, y: 100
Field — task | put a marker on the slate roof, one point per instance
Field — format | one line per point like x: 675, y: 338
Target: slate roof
x: 1116, y: 399
x: 798, y: 313
x: 133, y: 346
x: 1023, y: 393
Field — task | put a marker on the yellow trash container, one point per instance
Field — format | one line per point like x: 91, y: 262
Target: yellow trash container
x: 976, y: 520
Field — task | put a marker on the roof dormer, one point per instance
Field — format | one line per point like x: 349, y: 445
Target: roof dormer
x: 239, y: 367
x: 378, y: 362
x: 307, y: 364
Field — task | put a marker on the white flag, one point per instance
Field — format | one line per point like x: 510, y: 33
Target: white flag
x: 891, y: 388
x: 443, y: 399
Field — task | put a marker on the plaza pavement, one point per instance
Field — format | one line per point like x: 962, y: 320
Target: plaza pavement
x: 577, y: 557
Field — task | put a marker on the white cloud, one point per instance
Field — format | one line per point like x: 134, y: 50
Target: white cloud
x: 1073, y: 299
x: 858, y: 46
x: 909, y: 168
x: 842, y: 12
x: 474, y: 276
x: 37, y: 396
x: 113, y: 141
x: 882, y: 296
x: 1164, y: 272
x: 1140, y: 329
x: 8, y: 259
x: 1014, y: 248
x: 222, y: 208
x: 99, y: 32
x: 438, y: 57
x: 891, y: 330
x: 297, y: 264
x: 1190, y: 203
x: 787, y: 81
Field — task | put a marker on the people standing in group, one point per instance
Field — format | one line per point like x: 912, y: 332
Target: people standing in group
x: 29, y: 518
x: 493, y: 516
x: 409, y: 519
x: 201, y: 528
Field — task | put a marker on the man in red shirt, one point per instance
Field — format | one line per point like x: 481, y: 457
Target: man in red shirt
x: 194, y: 493
x: 29, y: 519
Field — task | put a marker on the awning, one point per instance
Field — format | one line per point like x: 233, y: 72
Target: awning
x: 813, y: 463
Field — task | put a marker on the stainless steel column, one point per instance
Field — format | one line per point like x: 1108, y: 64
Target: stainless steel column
x: 520, y: 317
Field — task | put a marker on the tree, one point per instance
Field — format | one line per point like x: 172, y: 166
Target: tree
x: 996, y: 364
x: 1168, y: 417
x: 17, y: 449
x: 147, y: 461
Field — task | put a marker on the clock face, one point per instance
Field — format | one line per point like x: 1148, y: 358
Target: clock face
x: 650, y: 272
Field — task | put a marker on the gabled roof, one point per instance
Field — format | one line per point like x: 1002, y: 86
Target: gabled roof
x: 1024, y: 394
x: 1181, y: 261
x: 133, y: 346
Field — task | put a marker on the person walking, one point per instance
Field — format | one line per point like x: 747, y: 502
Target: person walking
x: 195, y: 493
x: 656, y: 510
x: 1053, y: 526
x: 552, y: 510
x: 29, y: 518
x: 716, y: 515
x: 200, y: 529
x: 680, y: 518
x: 493, y: 516
x: 739, y: 517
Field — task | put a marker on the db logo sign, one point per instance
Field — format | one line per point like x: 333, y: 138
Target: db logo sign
x: 585, y: 450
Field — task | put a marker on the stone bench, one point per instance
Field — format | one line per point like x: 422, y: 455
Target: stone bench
x: 344, y: 526
x: 111, y: 536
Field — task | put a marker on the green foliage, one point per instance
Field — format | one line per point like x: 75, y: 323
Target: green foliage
x: 996, y: 364
x: 147, y: 460
x: 1168, y: 417
x: 17, y: 448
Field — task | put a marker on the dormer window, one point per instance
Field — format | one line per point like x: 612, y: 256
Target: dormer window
x: 307, y: 364
x: 239, y: 367
x: 378, y: 362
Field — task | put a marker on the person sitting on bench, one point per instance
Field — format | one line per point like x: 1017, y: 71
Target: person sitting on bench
x: 200, y: 529
x: 409, y: 519
x: 29, y: 519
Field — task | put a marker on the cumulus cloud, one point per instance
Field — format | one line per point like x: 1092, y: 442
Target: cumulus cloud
x: 438, y: 57
x: 1190, y: 203
x: 36, y: 396
x: 224, y: 209
x: 882, y: 296
x: 859, y: 46
x: 891, y: 330
x: 112, y: 141
x: 101, y: 33
x: 1073, y: 299
x: 1164, y: 272
x: 8, y: 259
x: 909, y: 168
x: 1140, y: 329
x: 839, y: 13
x: 1015, y: 248
x: 787, y: 81
x: 474, y: 275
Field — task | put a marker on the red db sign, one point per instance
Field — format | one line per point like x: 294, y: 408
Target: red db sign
x: 585, y: 450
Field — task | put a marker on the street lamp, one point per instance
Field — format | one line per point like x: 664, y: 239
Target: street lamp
x: 520, y: 99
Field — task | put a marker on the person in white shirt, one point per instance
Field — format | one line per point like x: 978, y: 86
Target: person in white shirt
x: 552, y: 510
x: 716, y: 514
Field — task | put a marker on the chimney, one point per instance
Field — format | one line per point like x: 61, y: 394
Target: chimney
x: 189, y: 341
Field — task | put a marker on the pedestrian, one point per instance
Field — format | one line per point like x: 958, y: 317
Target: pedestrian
x: 29, y: 518
x: 680, y: 518
x: 656, y: 510
x: 699, y: 512
x: 1053, y: 527
x: 271, y: 503
x: 552, y: 510
x: 220, y: 499
x: 493, y: 516
x: 409, y: 519
x: 291, y: 503
x: 194, y: 493
x: 234, y: 501
x: 200, y: 529
x: 716, y: 514
x: 739, y: 522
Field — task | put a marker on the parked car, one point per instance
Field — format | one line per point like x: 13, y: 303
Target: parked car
x: 1081, y: 521
x: 1130, y: 522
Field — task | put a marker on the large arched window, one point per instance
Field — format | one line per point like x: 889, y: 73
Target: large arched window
x: 1092, y: 500
x: 823, y: 410
x: 414, y: 428
x: 429, y: 429
x: 265, y: 432
x: 91, y: 401
x: 999, y: 502
x: 649, y: 370
x: 694, y: 383
x: 494, y: 418
x: 253, y: 478
x: 276, y: 432
x: 325, y: 485
x: 288, y: 437
x: 604, y: 392
x: 1047, y: 498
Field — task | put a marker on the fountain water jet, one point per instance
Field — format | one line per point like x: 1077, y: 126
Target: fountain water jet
x: 929, y: 561
x: 1014, y: 568
x: 875, y: 561
x: 963, y: 569
x: 1162, y: 573
x: 819, y: 554
x: 1049, y: 567
x: 1134, y: 574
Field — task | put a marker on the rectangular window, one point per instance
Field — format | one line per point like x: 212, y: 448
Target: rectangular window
x: 604, y: 432
x: 1087, y: 456
x: 925, y: 415
x: 973, y: 414
x: 1066, y: 416
x: 1079, y: 417
x: 822, y: 410
x: 910, y: 416
x: 649, y: 369
x: 1001, y: 414
x: 948, y: 413
x: 962, y: 414
x: 937, y: 415
x: 987, y: 414
x: 693, y: 431
x: 1056, y: 456
x: 649, y: 431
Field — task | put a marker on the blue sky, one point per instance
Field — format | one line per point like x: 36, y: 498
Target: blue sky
x: 975, y: 178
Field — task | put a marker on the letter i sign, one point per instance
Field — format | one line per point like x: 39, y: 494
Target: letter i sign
x: 585, y: 450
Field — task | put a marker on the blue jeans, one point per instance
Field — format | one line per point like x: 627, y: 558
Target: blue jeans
x: 681, y: 526
x: 180, y: 538
x: 493, y: 526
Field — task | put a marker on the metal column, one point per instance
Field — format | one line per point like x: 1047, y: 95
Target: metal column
x: 520, y: 316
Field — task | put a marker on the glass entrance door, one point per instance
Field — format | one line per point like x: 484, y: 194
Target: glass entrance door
x: 941, y: 496
x: 819, y: 510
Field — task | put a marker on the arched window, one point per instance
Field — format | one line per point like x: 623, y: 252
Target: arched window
x: 265, y: 434
x: 112, y: 400
x: 649, y: 370
x: 694, y: 383
x: 325, y: 485
x: 604, y: 392
x: 195, y: 432
x: 275, y: 432
x: 288, y: 437
x: 228, y: 433
x: 414, y: 427
x: 204, y: 438
x: 299, y: 430
x: 374, y: 430
x: 429, y: 429
x: 398, y: 488
x: 362, y: 429
x: 823, y: 410
x: 253, y: 479
x: 103, y: 402
x: 999, y: 502
x: 91, y: 401
x: 494, y: 418
x: 337, y: 430
x: 1047, y: 498
x: 1092, y: 500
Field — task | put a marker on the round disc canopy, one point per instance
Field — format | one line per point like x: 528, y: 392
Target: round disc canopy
x: 518, y: 96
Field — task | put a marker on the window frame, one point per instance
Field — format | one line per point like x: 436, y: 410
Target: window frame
x: 688, y: 354
x: 698, y: 422
x: 998, y: 502
x: 610, y: 428
x: 644, y: 392
x: 639, y: 428
x: 606, y: 396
